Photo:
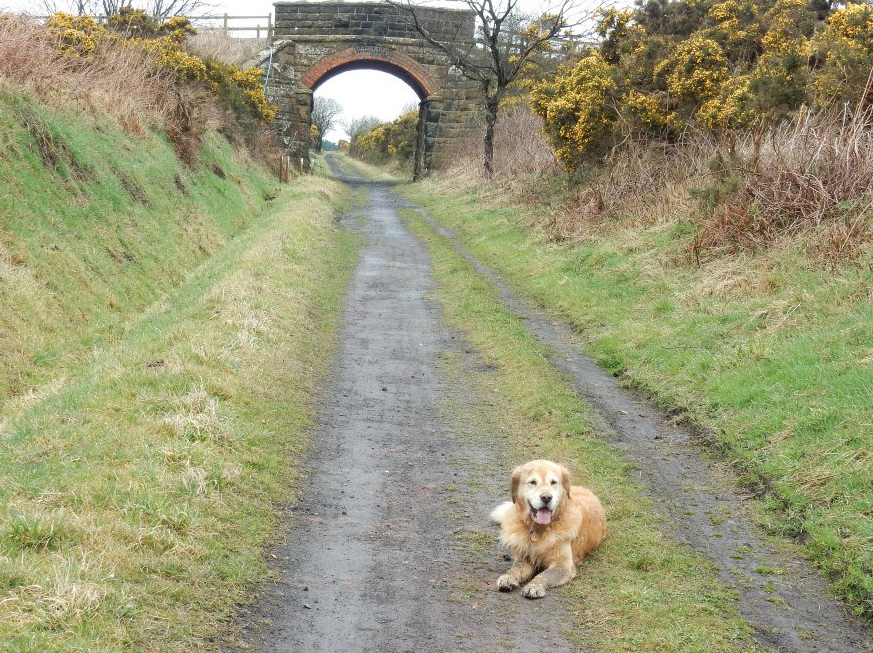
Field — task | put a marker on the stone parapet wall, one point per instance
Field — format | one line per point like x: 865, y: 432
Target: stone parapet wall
x: 370, y: 19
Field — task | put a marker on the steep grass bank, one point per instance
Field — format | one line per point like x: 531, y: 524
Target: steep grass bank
x: 164, y: 331
x: 770, y: 354
x: 97, y: 224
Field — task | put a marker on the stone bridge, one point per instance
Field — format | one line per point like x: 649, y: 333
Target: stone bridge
x: 316, y: 41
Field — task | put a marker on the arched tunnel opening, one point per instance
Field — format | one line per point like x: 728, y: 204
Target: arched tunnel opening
x: 382, y: 84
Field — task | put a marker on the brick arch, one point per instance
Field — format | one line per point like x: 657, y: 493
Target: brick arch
x: 374, y: 57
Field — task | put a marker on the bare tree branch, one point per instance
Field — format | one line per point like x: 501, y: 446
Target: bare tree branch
x: 325, y: 112
x: 167, y: 8
x: 359, y: 125
x: 75, y: 7
x: 156, y: 8
x: 502, y: 53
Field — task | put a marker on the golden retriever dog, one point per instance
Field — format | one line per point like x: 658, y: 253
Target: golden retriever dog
x: 549, y: 526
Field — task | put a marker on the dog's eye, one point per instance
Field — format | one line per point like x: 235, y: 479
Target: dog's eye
x: 554, y: 482
x: 532, y: 482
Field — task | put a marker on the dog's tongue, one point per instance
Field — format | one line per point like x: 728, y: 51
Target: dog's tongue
x: 544, y: 516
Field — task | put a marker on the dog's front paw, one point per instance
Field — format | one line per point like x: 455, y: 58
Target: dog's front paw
x: 506, y: 583
x: 533, y: 591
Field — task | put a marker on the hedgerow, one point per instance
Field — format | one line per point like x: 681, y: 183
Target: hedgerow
x: 388, y: 141
x: 670, y: 66
x: 234, y: 88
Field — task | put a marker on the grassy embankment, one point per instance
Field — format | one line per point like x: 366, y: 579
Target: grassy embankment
x: 164, y: 328
x: 770, y: 353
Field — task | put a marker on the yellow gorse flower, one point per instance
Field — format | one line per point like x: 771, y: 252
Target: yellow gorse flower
x: 82, y: 36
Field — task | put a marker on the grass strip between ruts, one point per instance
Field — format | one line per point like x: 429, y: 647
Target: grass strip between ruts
x: 642, y: 590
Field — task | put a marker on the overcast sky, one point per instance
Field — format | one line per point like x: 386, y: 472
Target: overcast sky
x: 360, y: 92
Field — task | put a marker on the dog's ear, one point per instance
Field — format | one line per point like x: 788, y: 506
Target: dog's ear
x: 565, y: 481
x: 514, y: 482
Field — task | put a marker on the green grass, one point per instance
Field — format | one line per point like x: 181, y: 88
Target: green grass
x: 772, y: 356
x: 96, y: 226
x: 641, y: 591
x: 138, y: 493
x: 157, y: 402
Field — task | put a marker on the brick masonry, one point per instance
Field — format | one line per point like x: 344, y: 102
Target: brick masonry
x: 316, y: 41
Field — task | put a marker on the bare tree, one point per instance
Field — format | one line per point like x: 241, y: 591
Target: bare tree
x: 359, y: 125
x: 75, y: 7
x: 167, y: 8
x: 409, y: 107
x: 155, y: 8
x: 325, y: 112
x: 112, y: 7
x: 507, y: 41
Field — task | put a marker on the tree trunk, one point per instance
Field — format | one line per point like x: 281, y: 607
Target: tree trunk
x: 491, y: 107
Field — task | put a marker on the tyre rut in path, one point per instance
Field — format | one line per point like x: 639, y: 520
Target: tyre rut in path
x: 792, y: 611
x: 373, y: 561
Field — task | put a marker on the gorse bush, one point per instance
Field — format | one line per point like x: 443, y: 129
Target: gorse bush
x: 389, y: 141
x: 235, y: 89
x: 62, y: 66
x: 576, y: 110
x: 780, y: 92
x: 717, y: 66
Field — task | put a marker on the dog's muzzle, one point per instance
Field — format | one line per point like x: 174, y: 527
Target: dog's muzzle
x: 543, y: 515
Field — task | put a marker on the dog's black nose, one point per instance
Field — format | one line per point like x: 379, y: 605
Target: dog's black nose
x: 545, y: 498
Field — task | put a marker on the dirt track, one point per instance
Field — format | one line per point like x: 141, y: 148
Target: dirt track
x: 372, y: 560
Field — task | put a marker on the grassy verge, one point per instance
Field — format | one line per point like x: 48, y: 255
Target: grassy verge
x: 96, y: 225
x: 772, y: 356
x: 641, y: 590
x: 138, y: 489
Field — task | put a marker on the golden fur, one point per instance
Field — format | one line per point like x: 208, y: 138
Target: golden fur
x: 546, y: 554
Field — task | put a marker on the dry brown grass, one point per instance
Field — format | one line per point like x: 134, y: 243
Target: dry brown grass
x: 121, y: 82
x: 812, y: 169
x: 809, y: 180
x: 519, y: 149
x: 644, y: 184
x: 215, y: 44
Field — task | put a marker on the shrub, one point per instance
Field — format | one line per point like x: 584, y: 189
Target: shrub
x: 235, y: 89
x: 576, y: 109
x: 844, y: 53
x: 77, y: 35
x: 114, y: 80
x: 738, y: 76
x: 388, y: 141
x: 668, y: 68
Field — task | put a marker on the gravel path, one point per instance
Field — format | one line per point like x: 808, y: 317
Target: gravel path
x: 387, y: 553
x: 380, y: 557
